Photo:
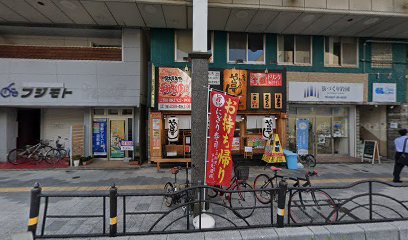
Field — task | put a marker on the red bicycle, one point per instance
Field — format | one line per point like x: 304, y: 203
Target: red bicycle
x: 243, y: 201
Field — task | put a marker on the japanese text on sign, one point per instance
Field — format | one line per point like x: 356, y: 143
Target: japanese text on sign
x: 174, y: 89
x: 265, y: 79
x: 235, y: 83
x: 223, y: 110
x: 34, y: 92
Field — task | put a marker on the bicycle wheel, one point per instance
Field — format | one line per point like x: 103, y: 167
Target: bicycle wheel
x: 168, y: 188
x: 211, y: 192
x: 262, y: 182
x: 244, y: 201
x: 52, y: 156
x: 310, y: 160
x: 313, y: 206
x: 42, y: 152
x: 17, y: 156
x: 63, y: 153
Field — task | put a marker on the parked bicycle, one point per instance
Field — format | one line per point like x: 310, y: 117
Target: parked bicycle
x: 307, y: 159
x: 174, y: 194
x: 37, y: 153
x: 309, y: 204
x: 244, y: 200
x: 61, y: 147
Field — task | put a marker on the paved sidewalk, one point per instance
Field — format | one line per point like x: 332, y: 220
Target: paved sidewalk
x: 14, y: 187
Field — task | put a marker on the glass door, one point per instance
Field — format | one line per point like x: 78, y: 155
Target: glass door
x: 323, y: 131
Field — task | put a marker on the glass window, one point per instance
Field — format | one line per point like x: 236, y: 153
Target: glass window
x: 255, y: 48
x: 381, y: 55
x: 184, y: 44
x: 127, y: 111
x: 113, y: 112
x: 286, y: 49
x: 237, y: 47
x: 99, y: 111
x: 340, y: 51
x: 294, y: 49
x: 246, y: 47
x: 302, y: 53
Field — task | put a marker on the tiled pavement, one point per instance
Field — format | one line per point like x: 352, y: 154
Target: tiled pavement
x: 14, y: 195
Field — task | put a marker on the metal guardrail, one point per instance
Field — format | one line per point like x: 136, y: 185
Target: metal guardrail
x: 143, y: 213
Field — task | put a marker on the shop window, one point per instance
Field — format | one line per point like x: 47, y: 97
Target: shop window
x: 127, y: 111
x: 381, y: 55
x: 248, y: 48
x: 184, y: 44
x: 99, y: 111
x: 294, y: 49
x: 113, y: 111
x: 341, y: 51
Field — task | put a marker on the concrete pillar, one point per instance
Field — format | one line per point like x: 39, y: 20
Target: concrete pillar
x: 8, y: 131
x: 199, y: 78
x: 88, y: 131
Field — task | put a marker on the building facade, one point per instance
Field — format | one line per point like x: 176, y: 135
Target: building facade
x: 54, y: 80
x: 342, y: 65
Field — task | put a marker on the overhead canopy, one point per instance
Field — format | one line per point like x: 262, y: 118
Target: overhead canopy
x: 340, y: 17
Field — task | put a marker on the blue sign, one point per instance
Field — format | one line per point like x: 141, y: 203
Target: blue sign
x: 99, y: 137
x: 302, y: 136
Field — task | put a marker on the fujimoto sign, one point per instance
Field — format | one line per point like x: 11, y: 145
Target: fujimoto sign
x: 325, y: 92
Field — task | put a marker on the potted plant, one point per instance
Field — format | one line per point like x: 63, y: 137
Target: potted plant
x: 86, y: 160
x: 76, y: 160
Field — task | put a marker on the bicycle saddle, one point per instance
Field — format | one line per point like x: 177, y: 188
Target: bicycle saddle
x: 276, y: 169
x: 174, y: 170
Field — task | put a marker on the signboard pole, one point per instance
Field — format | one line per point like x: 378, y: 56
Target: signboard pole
x: 206, y: 142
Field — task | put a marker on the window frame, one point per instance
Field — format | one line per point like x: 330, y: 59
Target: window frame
x: 246, y: 51
x: 382, y: 63
x: 294, y: 63
x: 175, y: 45
x: 357, y: 41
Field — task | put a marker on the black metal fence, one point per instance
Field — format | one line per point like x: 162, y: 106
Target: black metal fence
x: 63, y: 215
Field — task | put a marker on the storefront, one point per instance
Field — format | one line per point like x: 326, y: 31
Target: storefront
x: 323, y: 116
x: 93, y: 105
x: 262, y: 110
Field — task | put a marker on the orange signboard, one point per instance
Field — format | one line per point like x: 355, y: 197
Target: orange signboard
x: 235, y: 83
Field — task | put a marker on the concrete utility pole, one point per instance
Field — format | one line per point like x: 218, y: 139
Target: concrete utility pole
x: 199, y: 61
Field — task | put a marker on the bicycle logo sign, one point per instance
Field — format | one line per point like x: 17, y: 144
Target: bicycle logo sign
x: 9, y: 91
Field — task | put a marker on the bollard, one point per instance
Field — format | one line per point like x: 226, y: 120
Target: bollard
x: 283, y: 186
x: 113, y: 208
x: 35, y: 201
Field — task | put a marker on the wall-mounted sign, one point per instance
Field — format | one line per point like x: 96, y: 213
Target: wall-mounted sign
x: 266, y: 79
x: 268, y: 124
x: 267, y: 102
x: 278, y: 100
x: 214, y: 78
x: 236, y: 144
x: 174, y: 90
x: 235, y: 83
x: 325, y: 92
x: 34, y: 91
x: 173, y: 131
x: 254, y: 100
x: 126, y: 145
x: 384, y: 92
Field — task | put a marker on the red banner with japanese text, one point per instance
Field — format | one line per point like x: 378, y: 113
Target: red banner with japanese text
x: 223, y: 109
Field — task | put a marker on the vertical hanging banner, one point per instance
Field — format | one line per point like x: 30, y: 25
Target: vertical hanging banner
x: 235, y: 83
x: 174, y: 90
x: 223, y: 109
x: 99, y: 137
x: 302, y: 136
x: 173, y: 132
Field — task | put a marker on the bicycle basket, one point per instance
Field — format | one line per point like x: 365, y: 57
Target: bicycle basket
x: 242, y: 173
